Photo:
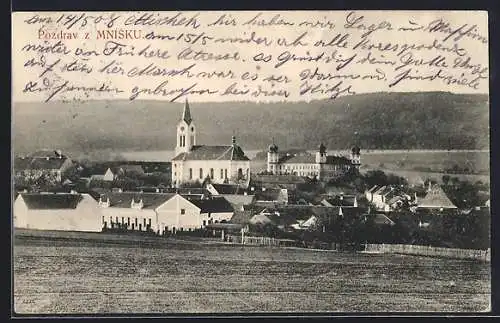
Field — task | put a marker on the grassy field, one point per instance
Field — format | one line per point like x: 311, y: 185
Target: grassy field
x: 83, y: 277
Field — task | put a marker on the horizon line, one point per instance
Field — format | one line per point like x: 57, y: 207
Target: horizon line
x: 250, y: 101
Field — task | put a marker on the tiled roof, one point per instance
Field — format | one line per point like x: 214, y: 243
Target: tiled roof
x: 21, y: 163
x: 298, y: 159
x: 213, y: 205
x: 436, y: 198
x: 241, y: 217
x: 233, y: 152
x: 51, y: 201
x: 268, y: 195
x: 124, y: 199
x: 288, y: 179
x: 51, y: 163
x: 338, y: 160
x: 238, y: 199
x: 228, y: 189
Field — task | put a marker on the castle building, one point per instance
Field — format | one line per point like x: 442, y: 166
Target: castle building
x: 198, y: 163
x: 319, y: 165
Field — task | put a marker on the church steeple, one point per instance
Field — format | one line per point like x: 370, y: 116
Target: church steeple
x: 186, y: 114
x: 186, y: 132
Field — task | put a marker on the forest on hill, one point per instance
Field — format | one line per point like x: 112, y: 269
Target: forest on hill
x: 420, y: 120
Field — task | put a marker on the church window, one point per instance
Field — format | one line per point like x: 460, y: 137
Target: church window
x: 183, y: 211
x: 225, y: 173
x: 221, y: 173
x: 192, y: 128
x: 180, y: 141
x: 190, y: 173
x: 201, y: 173
x: 211, y: 173
x: 240, y: 173
x: 192, y: 140
x: 182, y: 128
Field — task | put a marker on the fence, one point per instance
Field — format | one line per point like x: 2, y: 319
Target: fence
x: 261, y: 241
x: 484, y: 255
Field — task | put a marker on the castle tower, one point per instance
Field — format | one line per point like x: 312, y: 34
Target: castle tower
x: 186, y: 132
x: 321, y: 154
x: 272, y: 158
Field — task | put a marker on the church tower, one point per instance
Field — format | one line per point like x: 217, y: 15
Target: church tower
x: 272, y: 159
x: 186, y: 132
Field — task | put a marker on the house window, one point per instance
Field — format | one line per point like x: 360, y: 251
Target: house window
x: 103, y: 219
x: 180, y: 141
x: 201, y: 173
x: 204, y: 222
x: 221, y: 173
x: 175, y: 174
x: 123, y: 220
x: 149, y: 222
x: 225, y: 173
x: 211, y: 173
x: 135, y: 221
x: 190, y: 173
x: 111, y: 219
x: 128, y: 221
x: 116, y: 219
x: 182, y: 229
x: 183, y: 211
x: 144, y: 221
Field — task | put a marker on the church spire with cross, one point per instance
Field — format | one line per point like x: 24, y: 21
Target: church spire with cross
x: 186, y: 114
x: 186, y: 132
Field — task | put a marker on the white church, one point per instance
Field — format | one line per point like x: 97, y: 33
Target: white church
x: 197, y: 163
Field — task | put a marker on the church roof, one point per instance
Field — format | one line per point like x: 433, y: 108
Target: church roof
x: 200, y: 152
x: 436, y: 198
x: 186, y: 114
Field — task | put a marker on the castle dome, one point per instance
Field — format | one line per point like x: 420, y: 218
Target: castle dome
x: 273, y: 148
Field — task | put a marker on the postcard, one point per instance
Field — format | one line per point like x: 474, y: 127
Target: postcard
x: 235, y: 162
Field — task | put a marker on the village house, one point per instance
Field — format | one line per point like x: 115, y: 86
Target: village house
x: 103, y: 175
x: 320, y: 166
x: 129, y: 170
x: 340, y: 200
x: 57, y: 211
x: 235, y: 194
x: 435, y: 199
x: 162, y: 212
x: 192, y: 162
x: 43, y: 162
x: 269, y: 196
x: 387, y: 198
